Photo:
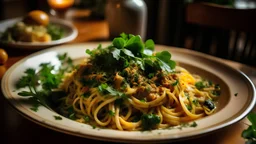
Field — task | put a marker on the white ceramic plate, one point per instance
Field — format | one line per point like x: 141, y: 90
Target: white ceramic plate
x: 70, y: 33
x: 231, y: 108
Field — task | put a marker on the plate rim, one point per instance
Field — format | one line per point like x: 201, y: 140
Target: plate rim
x: 199, y: 133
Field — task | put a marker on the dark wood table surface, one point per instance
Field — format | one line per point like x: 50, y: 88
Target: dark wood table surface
x: 18, y: 130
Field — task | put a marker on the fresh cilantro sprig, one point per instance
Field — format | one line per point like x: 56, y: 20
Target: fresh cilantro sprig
x: 106, y: 89
x: 41, y: 83
x: 128, y: 49
x: 250, y: 133
x: 149, y: 121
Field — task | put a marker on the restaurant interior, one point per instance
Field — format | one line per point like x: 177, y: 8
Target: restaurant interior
x: 222, y: 32
x: 225, y: 31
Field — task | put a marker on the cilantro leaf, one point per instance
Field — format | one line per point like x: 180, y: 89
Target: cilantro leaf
x: 128, y: 52
x: 105, y: 89
x: 118, y: 43
x: 47, y: 78
x: 165, y: 61
x: 25, y: 93
x: 194, y: 124
x: 149, y: 121
x: 175, y: 83
x: 200, y: 85
x: 135, y: 45
x: 209, y: 104
x: 111, y: 113
x: 252, y: 118
x: 116, y: 53
x: 149, y: 44
x: 164, y: 56
x: 86, y: 118
x: 57, y: 117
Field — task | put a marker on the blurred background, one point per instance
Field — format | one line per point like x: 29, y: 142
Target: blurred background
x: 223, y: 28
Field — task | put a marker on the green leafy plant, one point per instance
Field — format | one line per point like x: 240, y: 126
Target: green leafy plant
x: 250, y: 133
x: 55, y: 31
x: 127, y: 48
x: 47, y: 77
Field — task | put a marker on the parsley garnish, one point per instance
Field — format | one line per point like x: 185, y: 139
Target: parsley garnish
x: 185, y: 125
x: 57, y: 117
x: 111, y: 113
x: 72, y: 116
x: 129, y: 48
x: 35, y: 107
x: 143, y: 100
x: 195, y: 102
x: 175, y: 83
x: 209, y: 104
x: 106, y: 89
x: 47, y: 76
x: 250, y: 132
x: 189, y: 107
x: 194, y: 124
x: 200, y: 85
x: 86, y: 118
x: 149, y: 121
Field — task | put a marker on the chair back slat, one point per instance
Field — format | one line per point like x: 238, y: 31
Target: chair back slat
x: 231, y: 30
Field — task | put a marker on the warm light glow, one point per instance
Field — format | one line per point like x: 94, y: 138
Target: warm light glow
x: 118, y: 6
x: 60, y: 4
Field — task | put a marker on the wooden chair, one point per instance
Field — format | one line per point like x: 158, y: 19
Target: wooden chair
x: 222, y: 31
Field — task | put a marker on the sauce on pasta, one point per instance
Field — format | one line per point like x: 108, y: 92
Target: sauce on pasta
x: 125, y: 88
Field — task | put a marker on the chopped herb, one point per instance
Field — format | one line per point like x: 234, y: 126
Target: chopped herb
x: 195, y: 102
x: 86, y: 118
x: 185, y: 125
x: 175, y: 83
x: 149, y: 121
x: 57, y: 117
x: 216, y: 93
x: 210, y: 83
x: 209, y: 104
x: 151, y: 75
x: 189, y: 107
x: 94, y: 126
x: 111, y: 113
x: 236, y: 94
x: 105, y: 89
x: 136, y: 77
x: 48, y: 80
x: 250, y: 133
x: 143, y: 100
x: 35, y: 107
x: 194, y: 124
x: 200, y: 85
x: 217, y: 87
x: 72, y: 116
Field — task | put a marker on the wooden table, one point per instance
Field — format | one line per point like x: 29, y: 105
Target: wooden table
x: 17, y: 129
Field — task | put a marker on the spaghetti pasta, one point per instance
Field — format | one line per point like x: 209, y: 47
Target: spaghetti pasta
x: 120, y: 89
